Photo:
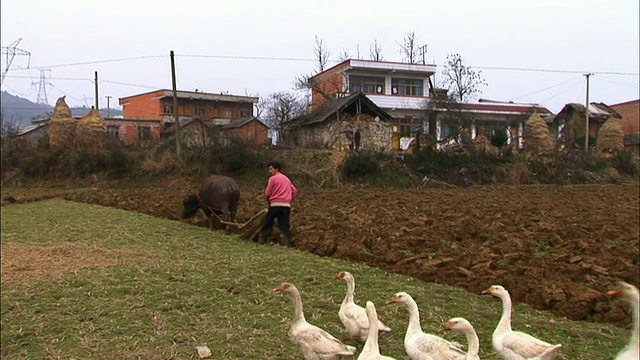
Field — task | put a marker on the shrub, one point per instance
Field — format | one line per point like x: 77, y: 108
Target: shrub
x: 359, y: 165
x: 625, y: 162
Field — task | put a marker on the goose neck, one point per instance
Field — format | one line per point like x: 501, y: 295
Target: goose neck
x: 351, y: 288
x: 473, y: 344
x: 505, y: 319
x: 297, y: 305
x: 414, y: 319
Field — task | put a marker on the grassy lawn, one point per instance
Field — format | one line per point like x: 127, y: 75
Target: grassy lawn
x: 89, y: 282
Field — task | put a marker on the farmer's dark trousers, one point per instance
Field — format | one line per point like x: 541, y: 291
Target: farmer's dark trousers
x: 282, y: 214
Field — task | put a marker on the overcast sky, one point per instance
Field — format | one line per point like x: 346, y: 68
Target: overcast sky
x: 258, y: 47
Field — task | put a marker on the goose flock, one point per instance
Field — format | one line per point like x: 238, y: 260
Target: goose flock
x: 363, y: 326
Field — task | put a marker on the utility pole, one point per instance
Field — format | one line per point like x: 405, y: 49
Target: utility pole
x: 108, y: 106
x: 176, y: 119
x: 97, y: 98
x: 586, y: 116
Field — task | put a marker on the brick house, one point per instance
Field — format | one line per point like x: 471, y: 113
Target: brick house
x: 630, y: 123
x: 406, y: 92
x: 212, y: 109
x: 249, y: 128
x: 196, y: 132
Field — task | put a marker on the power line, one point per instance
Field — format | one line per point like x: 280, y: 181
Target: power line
x: 552, y: 70
x: 271, y: 58
x: 548, y: 88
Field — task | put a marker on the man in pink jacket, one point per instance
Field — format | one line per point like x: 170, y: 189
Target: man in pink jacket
x: 280, y: 192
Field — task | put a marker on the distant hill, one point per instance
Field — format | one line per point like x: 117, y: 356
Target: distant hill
x: 22, y: 111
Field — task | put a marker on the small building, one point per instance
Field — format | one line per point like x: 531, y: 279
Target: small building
x: 250, y: 129
x: 196, y: 132
x: 334, y: 124
x: 572, y: 120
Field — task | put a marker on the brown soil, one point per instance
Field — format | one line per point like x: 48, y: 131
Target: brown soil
x: 558, y: 248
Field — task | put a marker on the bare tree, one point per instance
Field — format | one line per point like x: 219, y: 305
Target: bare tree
x: 409, y: 48
x: 8, y: 126
x: 358, y: 54
x: 344, y: 55
x: 322, y: 54
x: 462, y: 81
x: 375, y: 51
x: 281, y: 107
x: 304, y: 82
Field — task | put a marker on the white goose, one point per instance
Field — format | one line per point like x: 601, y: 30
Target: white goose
x: 630, y: 293
x: 315, y: 343
x: 515, y: 345
x: 371, y: 350
x: 464, y: 327
x: 352, y: 315
x: 422, y: 346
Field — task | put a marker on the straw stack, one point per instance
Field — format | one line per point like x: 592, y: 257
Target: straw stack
x: 61, y: 126
x: 91, y: 131
x: 537, y: 138
x: 610, y: 138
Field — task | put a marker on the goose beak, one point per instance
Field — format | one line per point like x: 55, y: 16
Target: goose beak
x: 487, y: 292
x: 444, y: 329
x: 613, y: 293
x: 338, y: 276
x: 391, y: 301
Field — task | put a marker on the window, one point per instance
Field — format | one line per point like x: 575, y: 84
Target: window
x: 366, y: 84
x: 144, y: 132
x: 245, y: 113
x: 167, y: 109
x: 409, y: 127
x: 199, y: 110
x: 406, y: 87
x: 112, y: 131
x: 227, y: 112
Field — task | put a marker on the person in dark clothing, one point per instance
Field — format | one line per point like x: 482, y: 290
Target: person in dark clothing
x: 356, y: 139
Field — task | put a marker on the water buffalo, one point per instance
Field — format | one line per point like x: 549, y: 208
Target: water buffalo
x: 218, y: 197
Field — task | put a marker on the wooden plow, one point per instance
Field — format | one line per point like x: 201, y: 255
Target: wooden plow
x: 252, y: 226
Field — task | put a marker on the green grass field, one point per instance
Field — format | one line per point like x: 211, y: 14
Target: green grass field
x: 89, y: 282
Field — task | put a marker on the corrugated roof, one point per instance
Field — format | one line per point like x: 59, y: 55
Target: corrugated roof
x: 347, y: 103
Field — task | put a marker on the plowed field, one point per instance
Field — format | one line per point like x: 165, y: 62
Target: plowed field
x: 553, y: 247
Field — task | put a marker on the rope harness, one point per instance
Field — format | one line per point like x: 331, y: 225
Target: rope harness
x: 212, y: 210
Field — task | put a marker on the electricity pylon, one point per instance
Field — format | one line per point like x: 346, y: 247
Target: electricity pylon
x: 42, y: 88
x: 11, y: 51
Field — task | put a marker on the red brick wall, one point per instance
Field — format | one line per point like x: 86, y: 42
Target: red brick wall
x: 251, y: 131
x: 144, y: 106
x: 150, y: 106
x: 128, y: 130
x: 630, y: 112
x: 329, y: 82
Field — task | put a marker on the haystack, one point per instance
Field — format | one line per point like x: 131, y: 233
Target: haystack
x: 610, y: 137
x: 482, y: 144
x: 537, y: 138
x: 62, y: 125
x: 91, y: 131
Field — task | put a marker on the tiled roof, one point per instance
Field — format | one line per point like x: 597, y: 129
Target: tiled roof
x: 236, y: 123
x: 347, y: 103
